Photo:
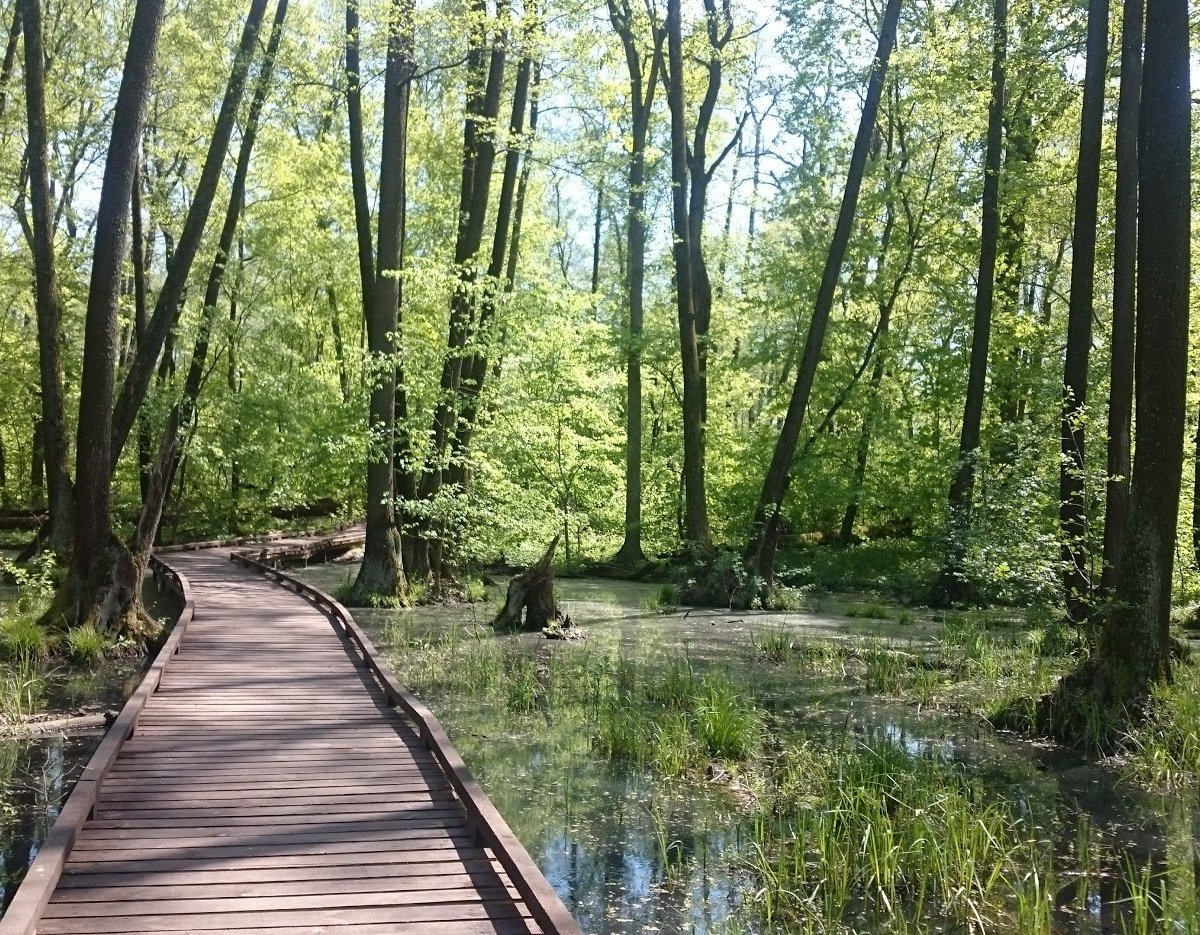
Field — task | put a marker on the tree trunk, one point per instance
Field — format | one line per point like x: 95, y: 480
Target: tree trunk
x: 1134, y: 648
x: 382, y: 571
x: 49, y: 317
x: 182, y: 416
x: 475, y: 365
x: 1120, y: 390
x: 641, y: 102
x: 764, y: 530
x: 953, y: 586
x: 696, y: 529
x: 1072, y: 497
x: 170, y: 297
x: 10, y: 56
x: 103, y: 587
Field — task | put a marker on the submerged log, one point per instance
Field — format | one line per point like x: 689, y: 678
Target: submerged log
x: 531, y: 596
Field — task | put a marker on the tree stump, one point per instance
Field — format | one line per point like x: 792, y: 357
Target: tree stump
x: 531, y: 594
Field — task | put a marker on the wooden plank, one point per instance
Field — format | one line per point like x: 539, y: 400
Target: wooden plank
x: 218, y: 921
x: 257, y: 795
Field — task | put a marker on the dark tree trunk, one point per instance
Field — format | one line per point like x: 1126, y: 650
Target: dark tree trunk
x: 49, y: 317
x: 1120, y: 390
x: 760, y: 550
x: 182, y: 416
x: 10, y: 56
x: 641, y: 102
x: 597, y: 231
x: 382, y: 571
x: 474, y: 368
x: 37, y: 470
x: 103, y: 587
x: 479, y: 157
x: 953, y: 586
x: 170, y: 297
x: 696, y: 529
x: 339, y: 344
x: 1134, y: 648
x: 1073, y: 516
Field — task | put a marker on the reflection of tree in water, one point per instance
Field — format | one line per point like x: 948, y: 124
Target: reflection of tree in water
x: 35, y: 778
x: 593, y: 827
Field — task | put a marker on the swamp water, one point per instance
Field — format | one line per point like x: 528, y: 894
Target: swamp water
x: 38, y: 771
x: 630, y: 850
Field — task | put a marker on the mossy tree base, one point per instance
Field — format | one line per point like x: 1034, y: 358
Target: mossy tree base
x: 110, y: 600
x: 381, y: 580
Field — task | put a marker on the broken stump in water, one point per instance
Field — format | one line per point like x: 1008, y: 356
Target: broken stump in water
x: 531, y: 597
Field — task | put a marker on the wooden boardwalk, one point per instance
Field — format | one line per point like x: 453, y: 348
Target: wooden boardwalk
x: 279, y: 782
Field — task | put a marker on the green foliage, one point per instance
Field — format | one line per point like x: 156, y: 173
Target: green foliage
x: 22, y: 691
x: 1166, y: 748
x: 23, y: 640
x: 85, y: 645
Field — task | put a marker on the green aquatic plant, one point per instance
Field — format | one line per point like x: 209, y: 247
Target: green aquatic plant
x: 22, y: 691
x: 869, y: 612
x: 22, y: 639
x: 85, y: 645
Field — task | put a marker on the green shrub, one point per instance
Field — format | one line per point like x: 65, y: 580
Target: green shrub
x: 869, y: 612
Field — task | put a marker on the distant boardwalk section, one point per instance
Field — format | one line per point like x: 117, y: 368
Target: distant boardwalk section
x: 270, y: 777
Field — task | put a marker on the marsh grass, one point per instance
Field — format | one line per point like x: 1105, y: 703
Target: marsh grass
x: 85, y: 645
x: 869, y: 612
x: 22, y: 691
x: 1166, y: 748
x: 867, y: 831
x: 23, y: 640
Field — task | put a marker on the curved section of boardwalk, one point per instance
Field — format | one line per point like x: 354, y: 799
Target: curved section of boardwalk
x: 269, y: 788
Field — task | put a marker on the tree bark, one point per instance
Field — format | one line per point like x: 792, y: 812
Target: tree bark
x: 103, y: 585
x: 475, y: 366
x: 381, y: 573
x: 170, y: 298
x: 1134, y: 648
x: 953, y: 586
x: 10, y: 56
x: 696, y: 529
x: 1120, y: 389
x: 49, y: 315
x: 1073, y: 517
x: 764, y: 530
x: 641, y: 103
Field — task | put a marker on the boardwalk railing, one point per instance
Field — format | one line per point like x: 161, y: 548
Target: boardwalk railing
x: 44, y: 873
x: 540, y: 898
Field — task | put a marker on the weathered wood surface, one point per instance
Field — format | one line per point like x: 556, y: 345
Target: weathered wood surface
x: 271, y: 786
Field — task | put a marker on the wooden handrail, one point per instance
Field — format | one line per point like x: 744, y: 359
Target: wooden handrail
x: 542, y: 901
x: 35, y: 890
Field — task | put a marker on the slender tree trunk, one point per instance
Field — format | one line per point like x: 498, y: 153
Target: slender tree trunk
x: 170, y: 297
x: 182, y: 416
x: 10, y: 56
x: 953, y: 586
x: 597, y: 230
x: 37, y: 471
x: 696, y: 529
x: 339, y: 343
x: 764, y: 530
x: 103, y: 587
x: 382, y: 569
x: 641, y: 102
x: 475, y: 366
x: 1120, y: 390
x: 1073, y: 506
x: 49, y: 316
